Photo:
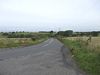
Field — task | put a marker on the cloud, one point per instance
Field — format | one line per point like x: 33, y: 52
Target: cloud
x: 50, y: 12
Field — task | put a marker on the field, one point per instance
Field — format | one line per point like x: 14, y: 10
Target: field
x: 16, y: 39
x: 86, y: 53
x: 16, y: 42
x: 93, y: 45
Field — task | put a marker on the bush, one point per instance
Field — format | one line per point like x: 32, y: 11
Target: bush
x: 33, y: 39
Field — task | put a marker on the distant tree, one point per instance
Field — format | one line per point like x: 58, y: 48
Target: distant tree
x: 60, y: 33
x: 5, y: 34
x: 68, y: 33
x: 13, y: 32
x: 65, y: 33
x: 94, y: 33
x: 51, y: 33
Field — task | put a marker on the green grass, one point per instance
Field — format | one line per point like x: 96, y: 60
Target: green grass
x: 17, y: 42
x: 87, y: 59
x: 16, y: 39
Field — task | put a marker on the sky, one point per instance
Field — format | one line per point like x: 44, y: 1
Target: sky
x: 46, y: 15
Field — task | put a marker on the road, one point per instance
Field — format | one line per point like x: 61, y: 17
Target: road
x: 42, y: 59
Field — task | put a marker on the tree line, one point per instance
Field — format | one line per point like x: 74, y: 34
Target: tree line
x: 23, y: 35
x: 69, y: 33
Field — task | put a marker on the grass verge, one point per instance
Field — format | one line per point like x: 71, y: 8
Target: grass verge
x: 87, y: 59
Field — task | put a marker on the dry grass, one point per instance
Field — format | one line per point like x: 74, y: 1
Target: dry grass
x: 15, y: 42
x: 93, y: 45
x: 86, y: 54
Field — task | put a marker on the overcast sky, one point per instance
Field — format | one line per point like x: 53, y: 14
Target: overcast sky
x: 38, y: 15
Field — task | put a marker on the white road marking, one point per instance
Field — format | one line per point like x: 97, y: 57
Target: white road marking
x: 48, y: 43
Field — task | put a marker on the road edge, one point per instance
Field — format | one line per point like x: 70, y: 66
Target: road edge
x: 69, y: 62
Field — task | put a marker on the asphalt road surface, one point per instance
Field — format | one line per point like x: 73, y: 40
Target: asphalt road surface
x: 46, y: 58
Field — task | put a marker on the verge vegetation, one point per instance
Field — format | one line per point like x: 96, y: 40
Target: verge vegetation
x: 16, y: 39
x: 86, y: 53
x: 17, y: 42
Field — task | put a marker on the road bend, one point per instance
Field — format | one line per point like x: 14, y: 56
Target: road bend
x: 42, y: 59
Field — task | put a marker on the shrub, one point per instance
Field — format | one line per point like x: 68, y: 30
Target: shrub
x: 33, y: 38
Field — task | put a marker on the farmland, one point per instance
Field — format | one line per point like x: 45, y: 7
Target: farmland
x: 16, y: 42
x: 17, y: 39
x: 93, y: 45
x: 86, y: 53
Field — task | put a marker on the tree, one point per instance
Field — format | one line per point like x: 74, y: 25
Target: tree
x: 51, y: 33
x: 61, y: 33
x: 94, y: 33
x: 68, y: 33
x: 65, y: 33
